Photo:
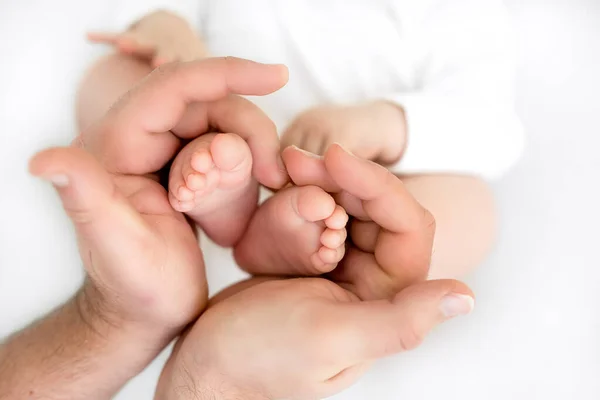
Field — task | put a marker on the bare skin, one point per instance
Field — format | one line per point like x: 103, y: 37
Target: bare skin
x: 338, y: 326
x: 108, y: 79
x: 465, y: 214
x: 373, y: 130
x: 159, y: 37
x: 146, y: 282
x: 463, y: 206
x: 298, y: 231
x: 145, y: 273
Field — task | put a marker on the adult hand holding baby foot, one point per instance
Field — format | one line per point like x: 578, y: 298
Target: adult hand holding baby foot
x: 308, y: 237
x: 310, y: 338
x: 391, y: 234
x: 373, y: 131
x: 263, y: 338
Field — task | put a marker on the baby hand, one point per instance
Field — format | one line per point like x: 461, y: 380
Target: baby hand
x: 160, y: 37
x: 375, y: 131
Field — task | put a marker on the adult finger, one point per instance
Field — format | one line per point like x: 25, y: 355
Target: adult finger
x: 384, y: 197
x: 364, y: 234
x: 400, y: 254
x: 100, y: 213
x: 405, y: 240
x: 241, y: 116
x: 374, y: 329
x: 135, y: 138
x: 307, y: 168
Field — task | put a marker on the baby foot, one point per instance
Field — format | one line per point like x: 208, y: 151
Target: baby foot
x: 211, y: 182
x: 298, y: 231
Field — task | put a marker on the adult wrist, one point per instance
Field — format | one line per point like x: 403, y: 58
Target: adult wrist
x: 179, y: 382
x: 130, y: 346
x: 105, y: 318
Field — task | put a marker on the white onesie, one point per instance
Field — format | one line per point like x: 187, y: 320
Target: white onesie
x: 448, y: 63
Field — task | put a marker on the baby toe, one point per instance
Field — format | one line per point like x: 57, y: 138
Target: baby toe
x: 195, y: 181
x: 333, y: 238
x: 202, y: 161
x: 331, y: 256
x: 338, y: 219
x: 313, y: 204
x: 320, y: 266
x: 179, y: 204
x: 231, y: 153
x: 184, y: 194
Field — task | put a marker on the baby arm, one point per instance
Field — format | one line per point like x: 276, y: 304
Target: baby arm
x: 157, y: 38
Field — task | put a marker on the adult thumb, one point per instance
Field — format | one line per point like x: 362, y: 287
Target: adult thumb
x: 380, y: 328
x: 98, y: 210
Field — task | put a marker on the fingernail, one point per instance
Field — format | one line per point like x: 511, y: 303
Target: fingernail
x: 453, y: 305
x: 343, y: 148
x: 59, y: 180
x: 308, y: 153
x: 278, y: 65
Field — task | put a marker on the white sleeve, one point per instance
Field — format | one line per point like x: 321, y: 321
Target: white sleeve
x: 462, y: 118
x: 129, y: 11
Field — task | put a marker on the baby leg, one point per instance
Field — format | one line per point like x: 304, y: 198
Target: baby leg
x: 107, y: 80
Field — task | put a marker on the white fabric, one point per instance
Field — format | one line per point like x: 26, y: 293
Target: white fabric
x: 448, y: 63
x: 128, y: 12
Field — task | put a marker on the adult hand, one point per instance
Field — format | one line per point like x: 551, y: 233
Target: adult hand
x: 390, y: 233
x: 145, y: 270
x: 312, y: 337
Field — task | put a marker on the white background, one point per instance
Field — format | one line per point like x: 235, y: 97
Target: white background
x: 536, y: 330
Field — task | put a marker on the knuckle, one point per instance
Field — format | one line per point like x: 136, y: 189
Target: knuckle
x: 229, y: 63
x: 409, y: 339
x: 164, y: 70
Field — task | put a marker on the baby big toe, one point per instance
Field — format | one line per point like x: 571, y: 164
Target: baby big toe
x: 313, y: 204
